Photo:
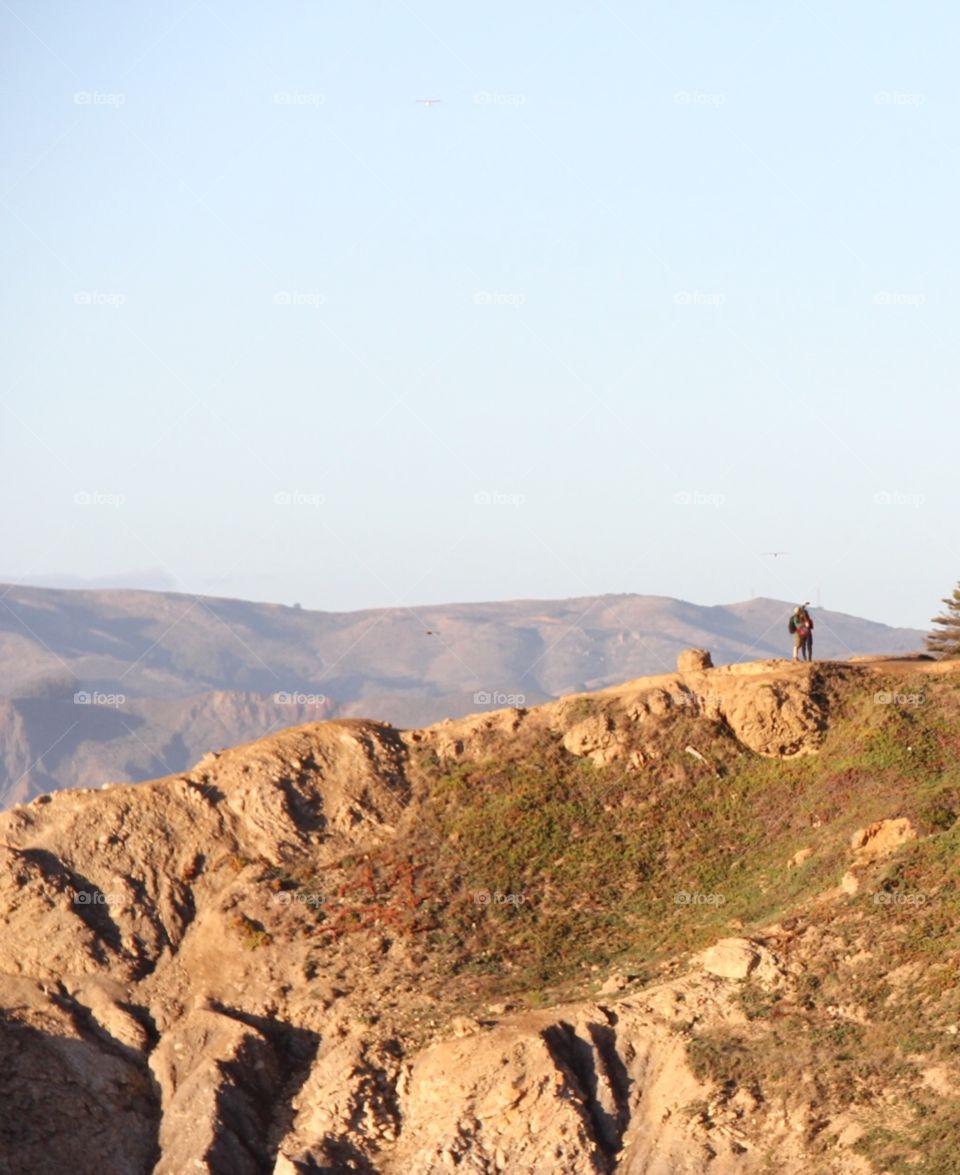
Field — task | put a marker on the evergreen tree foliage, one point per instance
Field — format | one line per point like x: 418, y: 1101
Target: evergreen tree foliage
x: 944, y: 640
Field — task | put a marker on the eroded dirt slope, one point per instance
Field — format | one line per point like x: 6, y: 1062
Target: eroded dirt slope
x: 186, y: 986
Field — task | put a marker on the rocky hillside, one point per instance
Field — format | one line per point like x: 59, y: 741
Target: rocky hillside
x: 703, y: 922
x: 161, y: 676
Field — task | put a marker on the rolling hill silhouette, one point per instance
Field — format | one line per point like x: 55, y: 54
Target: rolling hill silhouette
x: 195, y: 672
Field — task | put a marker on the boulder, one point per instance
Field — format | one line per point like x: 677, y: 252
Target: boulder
x: 596, y: 739
x: 693, y: 660
x: 614, y: 984
x: 731, y: 958
x: 775, y: 717
x: 741, y: 958
x: 464, y: 1026
x: 880, y: 839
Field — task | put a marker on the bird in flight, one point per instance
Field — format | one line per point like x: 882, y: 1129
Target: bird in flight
x: 429, y: 101
x: 775, y: 554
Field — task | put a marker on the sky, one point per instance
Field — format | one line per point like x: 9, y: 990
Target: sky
x: 650, y: 292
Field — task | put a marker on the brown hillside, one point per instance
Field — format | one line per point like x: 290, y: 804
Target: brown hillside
x: 304, y: 954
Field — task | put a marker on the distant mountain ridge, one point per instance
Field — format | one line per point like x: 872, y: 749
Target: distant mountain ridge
x: 166, y: 675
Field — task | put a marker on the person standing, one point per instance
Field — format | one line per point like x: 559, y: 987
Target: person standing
x: 807, y: 649
x: 801, y: 625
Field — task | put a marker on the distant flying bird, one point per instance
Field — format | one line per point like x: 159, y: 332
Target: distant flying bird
x: 429, y: 101
x: 775, y: 554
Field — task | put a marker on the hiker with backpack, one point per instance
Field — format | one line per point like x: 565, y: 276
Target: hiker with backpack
x: 801, y: 626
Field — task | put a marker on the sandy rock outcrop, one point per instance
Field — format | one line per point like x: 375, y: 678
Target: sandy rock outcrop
x: 771, y: 710
x: 218, y: 1080
x: 596, y: 739
x: 739, y: 958
x: 607, y: 1087
x: 880, y: 839
x: 71, y: 1102
x: 775, y: 718
x: 174, y: 1000
x: 694, y: 660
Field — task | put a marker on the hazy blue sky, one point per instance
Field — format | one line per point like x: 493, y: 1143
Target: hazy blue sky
x: 653, y: 290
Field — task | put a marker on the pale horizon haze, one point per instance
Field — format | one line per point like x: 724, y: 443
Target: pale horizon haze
x: 644, y: 294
